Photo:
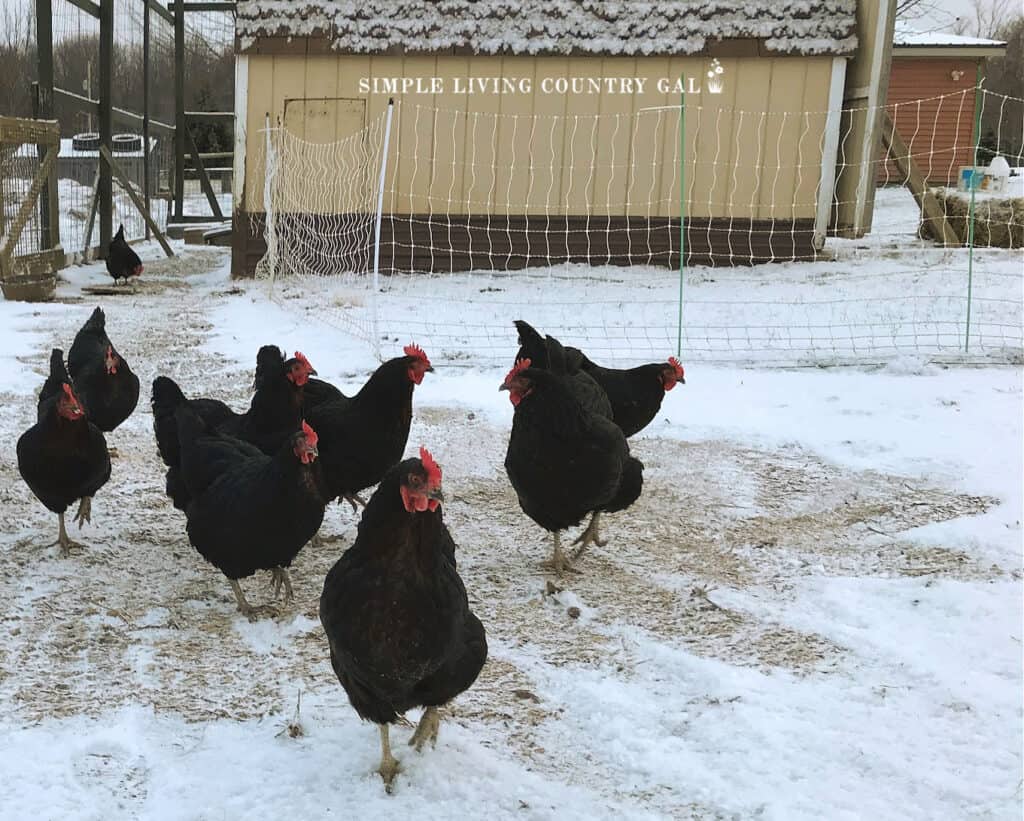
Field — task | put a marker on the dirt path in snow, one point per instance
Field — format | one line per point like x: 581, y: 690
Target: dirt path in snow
x: 138, y: 617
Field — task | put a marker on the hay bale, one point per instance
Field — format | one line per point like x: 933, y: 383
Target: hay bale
x: 998, y: 223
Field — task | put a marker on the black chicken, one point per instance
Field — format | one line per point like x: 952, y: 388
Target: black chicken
x: 633, y: 395
x: 364, y: 436
x: 248, y: 511
x: 547, y: 353
x: 274, y: 413
x: 122, y: 261
x: 63, y: 457
x: 395, y: 611
x: 103, y: 381
x: 565, y: 461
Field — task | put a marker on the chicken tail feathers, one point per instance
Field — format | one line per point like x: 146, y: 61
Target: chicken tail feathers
x: 531, y: 345
x: 630, y: 485
x: 58, y: 376
x: 97, y: 323
x: 167, y: 396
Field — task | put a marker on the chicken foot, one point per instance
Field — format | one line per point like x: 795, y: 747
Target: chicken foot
x: 280, y: 578
x: 84, y: 513
x: 558, y: 561
x: 62, y: 539
x: 355, y: 500
x: 388, y: 768
x: 426, y: 730
x: 589, y: 536
x: 246, y: 609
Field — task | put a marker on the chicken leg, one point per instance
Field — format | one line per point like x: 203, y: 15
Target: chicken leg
x: 246, y: 609
x: 429, y: 724
x: 280, y: 578
x: 589, y: 536
x: 355, y: 500
x: 388, y: 768
x: 558, y: 561
x: 62, y: 539
x: 84, y: 513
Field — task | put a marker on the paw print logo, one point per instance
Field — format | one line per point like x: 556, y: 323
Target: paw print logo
x: 716, y: 78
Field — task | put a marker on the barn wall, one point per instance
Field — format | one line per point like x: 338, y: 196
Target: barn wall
x: 751, y: 151
x: 939, y: 130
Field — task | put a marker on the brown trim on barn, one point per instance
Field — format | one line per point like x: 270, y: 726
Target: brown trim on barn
x: 432, y: 243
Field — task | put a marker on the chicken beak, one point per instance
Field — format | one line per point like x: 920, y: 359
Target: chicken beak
x: 435, y: 494
x: 504, y: 387
x: 312, y: 372
x: 430, y: 369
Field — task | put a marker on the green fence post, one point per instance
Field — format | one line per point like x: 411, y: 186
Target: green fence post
x: 682, y: 211
x: 978, y: 105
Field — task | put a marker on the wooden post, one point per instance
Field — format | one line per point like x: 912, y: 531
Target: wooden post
x: 106, y: 189
x: 204, y: 178
x: 43, y: 110
x: 126, y: 184
x: 914, y: 179
x: 146, y: 159
x: 179, y: 110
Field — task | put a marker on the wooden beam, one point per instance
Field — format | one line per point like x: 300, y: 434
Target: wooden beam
x: 92, y: 106
x: 193, y: 218
x: 146, y: 185
x: 106, y: 119
x: 204, y: 179
x: 915, y: 180
x: 126, y: 184
x: 87, y: 6
x: 210, y: 115
x: 160, y: 9
x: 16, y: 130
x: 42, y: 174
x: 43, y: 105
x: 93, y: 206
x: 180, y: 125
x: 202, y: 5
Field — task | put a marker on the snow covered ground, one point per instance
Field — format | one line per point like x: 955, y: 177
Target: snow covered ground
x: 814, y: 611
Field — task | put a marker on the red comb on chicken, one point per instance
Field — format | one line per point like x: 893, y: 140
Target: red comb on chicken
x: 300, y: 369
x: 420, y: 365
x: 517, y: 389
x: 673, y: 374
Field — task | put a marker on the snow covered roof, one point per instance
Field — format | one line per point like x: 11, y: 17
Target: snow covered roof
x: 906, y: 36
x: 553, y: 26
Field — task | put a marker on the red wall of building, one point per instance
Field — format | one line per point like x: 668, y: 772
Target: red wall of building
x: 932, y: 99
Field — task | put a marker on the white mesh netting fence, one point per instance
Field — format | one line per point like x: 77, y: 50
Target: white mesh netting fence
x: 573, y: 223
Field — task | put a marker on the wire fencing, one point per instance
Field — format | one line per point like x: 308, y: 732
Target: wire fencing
x: 573, y: 222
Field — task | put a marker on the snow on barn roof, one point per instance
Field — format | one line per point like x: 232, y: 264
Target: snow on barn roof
x: 554, y: 26
x: 906, y: 36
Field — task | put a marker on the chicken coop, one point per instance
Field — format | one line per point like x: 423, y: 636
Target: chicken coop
x: 523, y: 133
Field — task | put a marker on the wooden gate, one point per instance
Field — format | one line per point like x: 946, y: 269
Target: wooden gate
x: 29, y: 259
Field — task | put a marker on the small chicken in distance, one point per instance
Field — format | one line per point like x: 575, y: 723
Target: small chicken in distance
x: 63, y: 457
x: 395, y: 611
x: 122, y: 261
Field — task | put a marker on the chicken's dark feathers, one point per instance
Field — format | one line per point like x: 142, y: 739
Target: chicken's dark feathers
x: 396, y: 614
